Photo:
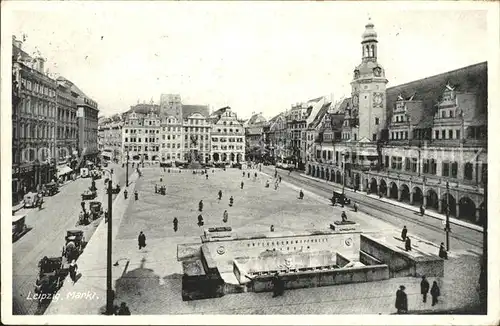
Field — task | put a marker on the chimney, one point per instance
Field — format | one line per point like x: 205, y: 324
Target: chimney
x: 16, y: 42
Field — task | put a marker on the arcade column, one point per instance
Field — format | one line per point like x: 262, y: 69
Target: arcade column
x: 411, y: 197
x: 457, y: 213
x: 399, y: 194
x: 388, y: 191
x: 424, y: 197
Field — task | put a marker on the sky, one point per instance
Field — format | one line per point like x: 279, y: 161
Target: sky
x: 254, y: 57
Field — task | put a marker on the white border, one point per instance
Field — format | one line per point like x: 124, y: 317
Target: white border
x: 494, y: 212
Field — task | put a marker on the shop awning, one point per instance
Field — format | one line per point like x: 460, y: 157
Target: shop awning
x: 62, y: 170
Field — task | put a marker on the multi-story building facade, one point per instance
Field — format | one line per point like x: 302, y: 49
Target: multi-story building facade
x: 278, y: 138
x: 141, y: 135
x: 87, y: 115
x: 197, y: 130
x: 34, y: 116
x: 66, y: 128
x: 110, y: 138
x: 172, y: 143
x: 227, y: 137
x: 423, y: 142
x: 255, y: 137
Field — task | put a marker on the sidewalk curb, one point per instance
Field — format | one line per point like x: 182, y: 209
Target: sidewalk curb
x: 391, y: 202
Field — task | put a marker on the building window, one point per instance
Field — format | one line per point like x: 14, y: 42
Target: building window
x: 468, y: 168
x: 454, y: 169
x: 436, y: 134
x: 446, y: 169
x: 443, y: 134
x: 450, y: 133
x: 457, y: 133
x: 374, y: 137
x: 377, y: 121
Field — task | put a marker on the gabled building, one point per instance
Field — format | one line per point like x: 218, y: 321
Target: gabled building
x: 227, y: 137
x: 422, y: 142
x: 255, y: 137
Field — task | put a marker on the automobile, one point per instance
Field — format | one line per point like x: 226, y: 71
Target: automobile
x: 18, y: 226
x: 116, y: 189
x: 96, y: 210
x: 87, y: 194
x: 50, y: 276
x: 75, y: 243
x: 340, y: 198
x: 84, y: 173
x: 32, y: 199
x: 51, y: 189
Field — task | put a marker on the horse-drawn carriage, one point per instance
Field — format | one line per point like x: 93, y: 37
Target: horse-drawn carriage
x: 18, y: 226
x: 89, y: 194
x: 50, y: 276
x: 75, y: 243
x: 95, y: 208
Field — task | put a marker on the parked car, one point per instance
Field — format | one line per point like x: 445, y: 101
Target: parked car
x: 18, y: 226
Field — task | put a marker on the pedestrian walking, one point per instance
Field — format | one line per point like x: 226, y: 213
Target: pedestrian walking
x: 123, y: 310
x: 404, y: 232
x: 125, y: 193
x: 156, y: 188
x: 424, y: 288
x: 401, y: 300
x: 225, y: 216
x: 408, y: 244
x: 83, y: 205
x: 176, y: 223
x: 73, y: 267
x: 422, y: 210
x: 242, y: 184
x: 141, y: 239
x: 248, y: 175
x: 243, y: 174
x: 355, y: 206
x: 279, y: 178
x: 200, y: 220
x: 136, y: 195
x: 200, y: 206
x: 40, y: 203
x: 220, y: 194
x: 231, y: 201
x: 442, y: 251
x: 206, y: 176
x: 435, y: 293
x: 255, y: 175
x: 301, y: 194
x: 272, y: 228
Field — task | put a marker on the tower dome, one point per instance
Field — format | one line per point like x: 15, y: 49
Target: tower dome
x: 369, y: 34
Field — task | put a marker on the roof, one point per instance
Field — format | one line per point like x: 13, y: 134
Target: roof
x: 256, y: 119
x: 321, y: 113
x: 470, y: 79
x: 143, y: 108
x: 343, y: 105
x: 188, y: 110
x: 316, y: 99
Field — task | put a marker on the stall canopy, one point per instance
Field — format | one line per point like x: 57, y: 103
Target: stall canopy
x: 62, y: 170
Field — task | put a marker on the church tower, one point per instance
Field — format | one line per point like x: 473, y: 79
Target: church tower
x: 368, y: 89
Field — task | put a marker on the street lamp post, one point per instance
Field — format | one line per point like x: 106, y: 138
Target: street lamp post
x: 447, y: 226
x: 109, y: 285
x: 343, y: 172
x: 126, y: 172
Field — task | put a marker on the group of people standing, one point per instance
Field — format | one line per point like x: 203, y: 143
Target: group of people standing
x: 402, y: 298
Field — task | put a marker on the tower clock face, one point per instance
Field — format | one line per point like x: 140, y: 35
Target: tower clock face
x: 378, y: 99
